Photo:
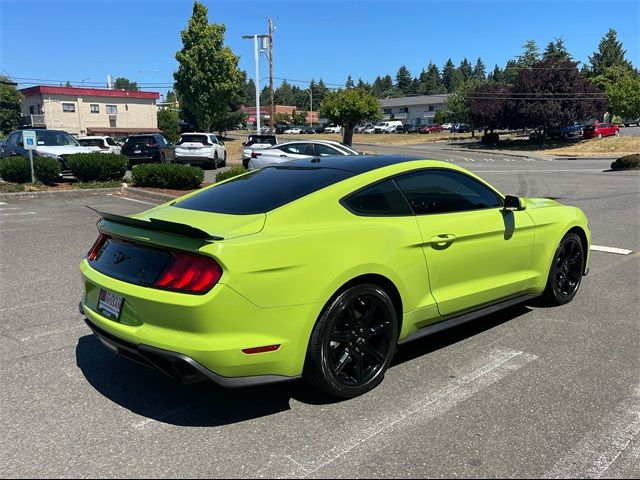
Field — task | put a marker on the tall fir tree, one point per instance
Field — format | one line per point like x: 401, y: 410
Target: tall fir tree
x: 451, y: 77
x: 556, y: 51
x: 609, y: 54
x: 479, y: 71
x: 404, y: 80
x: 350, y: 83
x: 466, y: 72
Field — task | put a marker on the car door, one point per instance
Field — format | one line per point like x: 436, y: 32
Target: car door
x: 321, y: 150
x: 476, y: 252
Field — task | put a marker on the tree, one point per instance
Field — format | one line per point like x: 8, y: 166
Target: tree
x: 553, y: 94
x: 299, y: 117
x: 610, y: 53
x: 10, y: 106
x: 228, y: 121
x: 623, y: 91
x: 171, y: 99
x: 556, y: 51
x: 350, y: 107
x: 451, y: 77
x: 530, y: 55
x: 466, y: 72
x: 479, y: 71
x: 282, y: 117
x: 438, y: 118
x: 429, y: 82
x: 284, y: 95
x: 511, y: 70
x: 350, y: 83
x: 459, y: 104
x: 208, y: 78
x: 487, y: 103
x: 363, y: 85
x: 169, y: 123
x: 404, y: 80
x: 497, y: 75
x: 122, y: 83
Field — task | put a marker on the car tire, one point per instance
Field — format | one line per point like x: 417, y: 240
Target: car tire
x: 565, y: 273
x: 353, y: 342
x: 215, y: 161
x: 224, y: 160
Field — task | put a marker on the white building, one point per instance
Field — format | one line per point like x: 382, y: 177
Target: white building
x: 415, y: 110
x: 90, y: 111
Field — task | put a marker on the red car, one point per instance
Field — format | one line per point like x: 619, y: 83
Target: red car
x: 432, y: 129
x: 600, y: 130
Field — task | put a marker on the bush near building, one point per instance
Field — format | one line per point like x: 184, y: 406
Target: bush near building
x: 167, y: 175
x: 98, y: 167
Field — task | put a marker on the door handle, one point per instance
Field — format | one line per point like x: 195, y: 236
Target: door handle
x: 283, y: 155
x: 443, y: 238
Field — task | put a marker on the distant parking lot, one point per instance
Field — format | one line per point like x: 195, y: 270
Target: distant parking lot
x: 528, y: 392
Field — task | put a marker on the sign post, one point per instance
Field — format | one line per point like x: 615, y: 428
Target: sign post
x: 30, y: 143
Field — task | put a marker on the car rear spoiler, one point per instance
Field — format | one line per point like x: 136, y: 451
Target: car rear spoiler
x: 159, y: 226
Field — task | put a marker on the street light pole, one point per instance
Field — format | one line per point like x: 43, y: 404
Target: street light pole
x: 257, y: 82
x: 272, y: 112
x: 311, y: 103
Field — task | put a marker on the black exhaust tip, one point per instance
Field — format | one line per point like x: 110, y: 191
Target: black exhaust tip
x: 80, y: 308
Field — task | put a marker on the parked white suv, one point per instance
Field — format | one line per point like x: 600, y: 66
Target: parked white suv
x: 101, y: 144
x: 333, y: 129
x: 201, y: 148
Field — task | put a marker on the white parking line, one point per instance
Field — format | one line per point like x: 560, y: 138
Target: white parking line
x: 493, y: 367
x: 20, y: 213
x: 489, y: 160
x: 11, y: 208
x: 138, y: 201
x: 619, y: 251
x: 598, y: 450
x: 3, y: 203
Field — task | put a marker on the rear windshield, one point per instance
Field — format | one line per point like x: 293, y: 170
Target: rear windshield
x: 202, y: 139
x: 140, y: 139
x: 111, y: 142
x: 270, y: 139
x: 264, y: 190
x: 91, y: 142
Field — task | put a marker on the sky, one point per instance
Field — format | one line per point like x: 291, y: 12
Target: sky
x: 83, y: 41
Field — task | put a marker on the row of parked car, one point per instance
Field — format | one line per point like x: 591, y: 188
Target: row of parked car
x: 396, y: 126
x: 595, y: 130
x: 204, y: 149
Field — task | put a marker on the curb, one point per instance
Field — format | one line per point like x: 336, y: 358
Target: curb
x: 609, y: 159
x: 496, y: 152
x: 65, y: 193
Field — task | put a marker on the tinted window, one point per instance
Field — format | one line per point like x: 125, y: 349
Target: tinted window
x: 140, y: 140
x: 381, y: 199
x: 111, y: 142
x: 202, y: 139
x: 442, y: 191
x: 263, y: 190
x: 324, y: 150
x: 298, y: 149
x: 270, y: 139
x: 91, y: 142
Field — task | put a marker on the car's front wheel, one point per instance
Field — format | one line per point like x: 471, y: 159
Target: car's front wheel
x: 566, y: 271
x: 353, y: 342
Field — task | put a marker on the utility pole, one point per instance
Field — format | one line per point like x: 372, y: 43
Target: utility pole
x: 272, y: 112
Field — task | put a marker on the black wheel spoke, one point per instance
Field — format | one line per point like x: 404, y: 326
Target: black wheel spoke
x: 357, y: 371
x: 340, y: 337
x: 342, y: 362
x: 379, y: 329
x: 372, y: 352
x: 368, y: 314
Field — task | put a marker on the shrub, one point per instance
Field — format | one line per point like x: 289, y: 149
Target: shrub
x: 490, y: 138
x: 232, y: 172
x: 46, y: 169
x: 167, y: 175
x: 627, y: 162
x: 98, y: 167
x: 15, y: 169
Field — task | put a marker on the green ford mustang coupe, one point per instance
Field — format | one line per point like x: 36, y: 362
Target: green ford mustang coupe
x: 320, y: 267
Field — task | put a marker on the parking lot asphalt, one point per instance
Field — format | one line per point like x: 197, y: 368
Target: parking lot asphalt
x: 529, y: 392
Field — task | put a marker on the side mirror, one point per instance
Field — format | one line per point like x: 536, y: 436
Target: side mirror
x: 512, y: 203
x: 221, y: 142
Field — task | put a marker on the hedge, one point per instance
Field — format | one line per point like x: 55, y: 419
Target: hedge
x: 628, y: 162
x: 98, y: 167
x: 18, y: 170
x: 232, y: 172
x: 167, y: 175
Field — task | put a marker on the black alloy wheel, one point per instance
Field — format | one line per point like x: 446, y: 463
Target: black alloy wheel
x: 215, y: 161
x: 566, y: 271
x: 353, y: 342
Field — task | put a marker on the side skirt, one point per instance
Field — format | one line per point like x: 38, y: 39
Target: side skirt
x: 467, y: 317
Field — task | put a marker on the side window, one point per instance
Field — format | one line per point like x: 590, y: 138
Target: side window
x: 13, y: 139
x: 444, y: 191
x: 324, y: 150
x: 297, y: 149
x: 381, y: 199
x: 213, y: 139
x: 160, y: 140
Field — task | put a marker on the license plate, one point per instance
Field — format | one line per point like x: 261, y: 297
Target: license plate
x: 137, y: 151
x: 110, y: 304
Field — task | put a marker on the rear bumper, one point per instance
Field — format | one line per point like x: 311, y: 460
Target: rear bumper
x: 176, y: 365
x: 192, y: 159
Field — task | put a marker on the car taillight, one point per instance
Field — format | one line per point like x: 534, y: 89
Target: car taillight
x: 97, y: 246
x: 255, y: 154
x: 189, y: 273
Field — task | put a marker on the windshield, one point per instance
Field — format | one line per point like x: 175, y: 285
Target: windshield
x: 140, y: 140
x: 51, y: 138
x: 270, y: 139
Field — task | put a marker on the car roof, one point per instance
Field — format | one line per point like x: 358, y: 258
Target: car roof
x: 360, y: 164
x: 320, y: 142
x: 196, y: 133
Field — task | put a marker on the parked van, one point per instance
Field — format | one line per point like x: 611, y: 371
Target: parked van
x: 387, y: 127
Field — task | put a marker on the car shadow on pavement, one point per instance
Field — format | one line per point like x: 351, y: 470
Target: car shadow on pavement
x: 151, y: 394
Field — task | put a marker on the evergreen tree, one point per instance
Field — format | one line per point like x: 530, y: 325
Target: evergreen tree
x: 451, y: 77
x: 497, y: 75
x: 350, y: 83
x: 404, y: 80
x: 364, y: 85
x: 122, y: 83
x: 610, y: 53
x: 283, y: 95
x: 479, y: 71
x: 429, y: 82
x: 510, y: 71
x: 556, y: 51
x: 530, y: 55
x: 10, y: 106
x: 466, y: 72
